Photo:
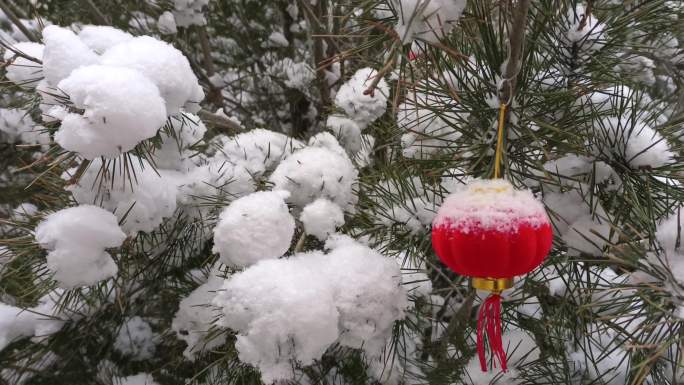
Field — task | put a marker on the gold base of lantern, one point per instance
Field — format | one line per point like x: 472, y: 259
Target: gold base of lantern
x: 496, y: 285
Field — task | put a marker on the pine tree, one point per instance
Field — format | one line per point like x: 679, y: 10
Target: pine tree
x: 242, y: 192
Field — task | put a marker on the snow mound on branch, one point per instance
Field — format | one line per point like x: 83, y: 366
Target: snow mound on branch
x: 639, y: 68
x: 121, y: 109
x: 347, y: 131
x: 39, y: 322
x: 416, y: 214
x: 189, y: 12
x: 297, y: 75
x: 583, y: 228
x: 364, y: 157
x: 276, y: 39
x: 255, y: 227
x: 490, y: 204
x: 318, y: 172
x: 427, y: 130
x: 76, y: 238
x: 637, y: 142
x: 24, y: 211
x: 160, y: 62
x: 63, y: 53
x: 19, y: 126
x: 414, y: 276
x: 166, y: 24
x: 216, y: 178
x: 100, y: 38
x: 174, y: 153
x: 282, y: 311
x: 521, y: 348
x: 135, y: 339
x: 321, y: 218
x: 23, y: 72
x: 50, y: 314
x: 612, y: 368
x: 138, y: 379
x: 293, y: 309
x: 328, y: 141
x: 585, y: 31
x: 358, y: 106
x: 6, y: 256
x: 27, y: 367
x: 669, y: 234
x: 14, y: 323
x: 195, y: 317
x: 367, y: 293
x: 414, y: 210
x: 427, y: 20
x: 257, y: 150
x: 142, y: 205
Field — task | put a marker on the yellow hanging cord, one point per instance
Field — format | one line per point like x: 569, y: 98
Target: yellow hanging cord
x: 499, y: 141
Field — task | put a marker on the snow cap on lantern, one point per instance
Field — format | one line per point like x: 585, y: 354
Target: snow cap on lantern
x: 489, y: 229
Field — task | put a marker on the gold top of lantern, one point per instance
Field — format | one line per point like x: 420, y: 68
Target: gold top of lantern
x: 495, y: 285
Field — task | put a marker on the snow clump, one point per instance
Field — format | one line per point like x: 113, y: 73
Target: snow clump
x: 320, y: 171
x: 194, y: 318
x: 135, y: 339
x: 163, y: 64
x: 293, y: 309
x: 121, y: 108
x: 360, y: 106
x: 321, y: 218
x: 427, y: 20
x: 255, y: 227
x: 141, y: 206
x: 110, y: 90
x: 76, y: 239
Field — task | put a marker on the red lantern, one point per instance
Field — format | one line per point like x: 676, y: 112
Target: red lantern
x: 491, y: 232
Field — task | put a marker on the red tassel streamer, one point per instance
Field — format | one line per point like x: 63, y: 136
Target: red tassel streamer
x: 489, y: 321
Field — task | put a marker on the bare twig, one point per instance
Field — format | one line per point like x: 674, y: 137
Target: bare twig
x: 17, y: 53
x: 388, y: 30
x: 450, y: 51
x: 300, y: 243
x: 214, y: 95
x: 338, y: 58
x: 389, y: 65
x: 219, y: 121
x: 314, y: 16
x: 206, y: 50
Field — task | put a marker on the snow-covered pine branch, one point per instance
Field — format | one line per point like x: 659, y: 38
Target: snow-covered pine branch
x: 215, y: 192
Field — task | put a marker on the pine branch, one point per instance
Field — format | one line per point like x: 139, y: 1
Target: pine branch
x: 97, y: 13
x: 314, y: 17
x: 206, y: 50
x: 15, y: 20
